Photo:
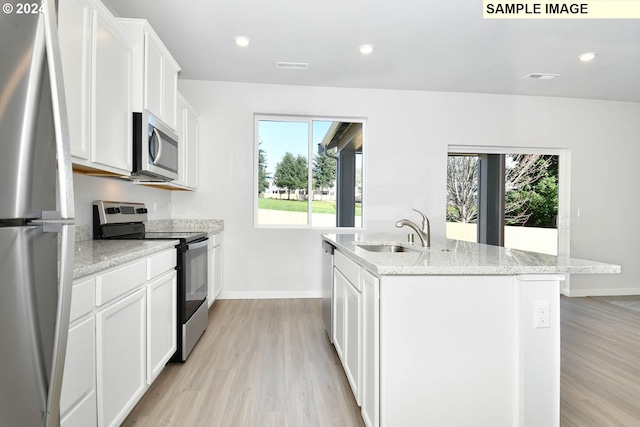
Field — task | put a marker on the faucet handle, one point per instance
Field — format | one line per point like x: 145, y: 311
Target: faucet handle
x: 425, y: 220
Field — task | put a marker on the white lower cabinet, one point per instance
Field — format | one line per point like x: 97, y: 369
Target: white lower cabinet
x: 122, y: 331
x: 356, y: 333
x: 78, y: 395
x: 214, y: 277
x: 353, y: 338
x: 161, y: 323
x: 370, y: 390
x: 347, y: 313
x: 339, y: 285
x: 121, y: 345
x: 78, y: 400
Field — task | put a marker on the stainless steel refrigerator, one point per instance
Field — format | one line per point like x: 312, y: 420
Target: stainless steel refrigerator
x: 36, y: 217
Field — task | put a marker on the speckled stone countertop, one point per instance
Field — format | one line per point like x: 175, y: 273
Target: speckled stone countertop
x: 455, y: 257
x: 93, y: 256
x: 209, y: 226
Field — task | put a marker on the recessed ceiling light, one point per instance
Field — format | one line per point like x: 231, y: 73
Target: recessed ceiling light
x: 366, y: 49
x: 587, y: 56
x: 242, y: 41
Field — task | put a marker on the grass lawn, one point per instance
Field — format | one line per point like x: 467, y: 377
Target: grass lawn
x: 298, y: 206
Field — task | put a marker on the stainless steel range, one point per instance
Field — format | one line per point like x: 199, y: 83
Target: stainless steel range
x: 124, y: 220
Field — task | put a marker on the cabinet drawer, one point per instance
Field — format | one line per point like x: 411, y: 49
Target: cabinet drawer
x: 120, y: 281
x: 82, y: 299
x: 161, y: 263
x: 348, y: 268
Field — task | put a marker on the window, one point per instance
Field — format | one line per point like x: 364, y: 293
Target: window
x: 504, y: 199
x: 308, y: 171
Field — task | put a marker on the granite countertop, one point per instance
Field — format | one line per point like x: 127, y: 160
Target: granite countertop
x: 93, y: 256
x: 209, y: 226
x: 456, y: 257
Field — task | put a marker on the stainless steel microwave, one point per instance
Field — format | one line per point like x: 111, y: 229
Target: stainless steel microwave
x: 155, y: 149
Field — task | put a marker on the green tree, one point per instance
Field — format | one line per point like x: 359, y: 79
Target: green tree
x: 291, y: 173
x: 531, y: 189
x: 531, y: 198
x: 263, y: 176
x: 324, y: 171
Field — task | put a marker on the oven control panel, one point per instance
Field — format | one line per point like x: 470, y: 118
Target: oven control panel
x: 119, y: 212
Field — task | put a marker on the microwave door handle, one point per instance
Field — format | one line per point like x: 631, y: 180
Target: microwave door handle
x: 158, y: 140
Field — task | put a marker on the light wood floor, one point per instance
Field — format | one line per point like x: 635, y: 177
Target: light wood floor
x: 269, y: 363
x: 600, y: 371
x: 260, y: 363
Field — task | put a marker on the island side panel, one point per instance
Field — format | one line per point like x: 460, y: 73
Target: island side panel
x: 448, y: 351
x: 464, y: 351
x: 539, y: 351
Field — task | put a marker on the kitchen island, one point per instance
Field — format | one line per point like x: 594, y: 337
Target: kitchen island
x: 459, y: 334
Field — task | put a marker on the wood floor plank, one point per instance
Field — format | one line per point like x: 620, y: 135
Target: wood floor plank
x: 260, y: 363
x: 600, y: 369
x: 270, y: 363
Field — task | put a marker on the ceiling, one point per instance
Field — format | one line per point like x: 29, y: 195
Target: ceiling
x: 430, y: 45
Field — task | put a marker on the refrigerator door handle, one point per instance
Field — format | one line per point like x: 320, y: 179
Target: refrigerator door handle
x: 67, y: 238
x: 61, y: 121
x: 66, y: 210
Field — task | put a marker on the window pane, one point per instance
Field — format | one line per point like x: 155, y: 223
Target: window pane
x: 325, y: 193
x: 462, y: 198
x: 283, y: 172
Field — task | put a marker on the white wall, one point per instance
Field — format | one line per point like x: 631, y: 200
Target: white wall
x: 89, y: 188
x: 406, y: 148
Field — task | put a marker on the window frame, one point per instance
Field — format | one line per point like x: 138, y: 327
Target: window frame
x: 309, y: 119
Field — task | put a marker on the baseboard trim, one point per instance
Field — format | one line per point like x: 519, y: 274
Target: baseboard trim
x: 269, y: 294
x: 601, y: 292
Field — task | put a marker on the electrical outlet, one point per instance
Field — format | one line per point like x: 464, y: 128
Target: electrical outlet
x: 541, y: 313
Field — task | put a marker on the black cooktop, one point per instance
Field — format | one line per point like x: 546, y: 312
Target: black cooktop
x: 183, y: 236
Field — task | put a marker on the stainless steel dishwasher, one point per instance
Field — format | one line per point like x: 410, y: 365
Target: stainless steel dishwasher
x: 327, y: 287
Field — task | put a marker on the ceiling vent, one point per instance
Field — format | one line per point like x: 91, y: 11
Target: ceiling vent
x: 293, y: 65
x: 540, y: 76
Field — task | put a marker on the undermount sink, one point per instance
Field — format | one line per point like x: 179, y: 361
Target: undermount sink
x: 385, y: 248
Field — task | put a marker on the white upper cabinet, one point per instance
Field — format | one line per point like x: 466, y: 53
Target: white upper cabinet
x: 188, y: 145
x: 155, y: 72
x: 97, y: 65
x: 112, y: 114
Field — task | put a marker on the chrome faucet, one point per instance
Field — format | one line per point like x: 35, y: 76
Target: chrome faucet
x: 424, y: 234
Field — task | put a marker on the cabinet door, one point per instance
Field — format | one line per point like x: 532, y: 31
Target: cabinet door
x: 120, y: 340
x: 352, y: 339
x: 339, y: 285
x: 191, y: 137
x: 161, y: 323
x: 181, y: 107
x: 215, y: 274
x: 187, y: 129
x: 170, y: 93
x: 218, y: 272
x: 154, y: 73
x: 74, y: 30
x: 79, y: 372
x: 370, y: 391
x: 211, y: 261
x: 111, y: 123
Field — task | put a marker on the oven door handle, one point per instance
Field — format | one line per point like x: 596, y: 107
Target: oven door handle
x: 197, y: 245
